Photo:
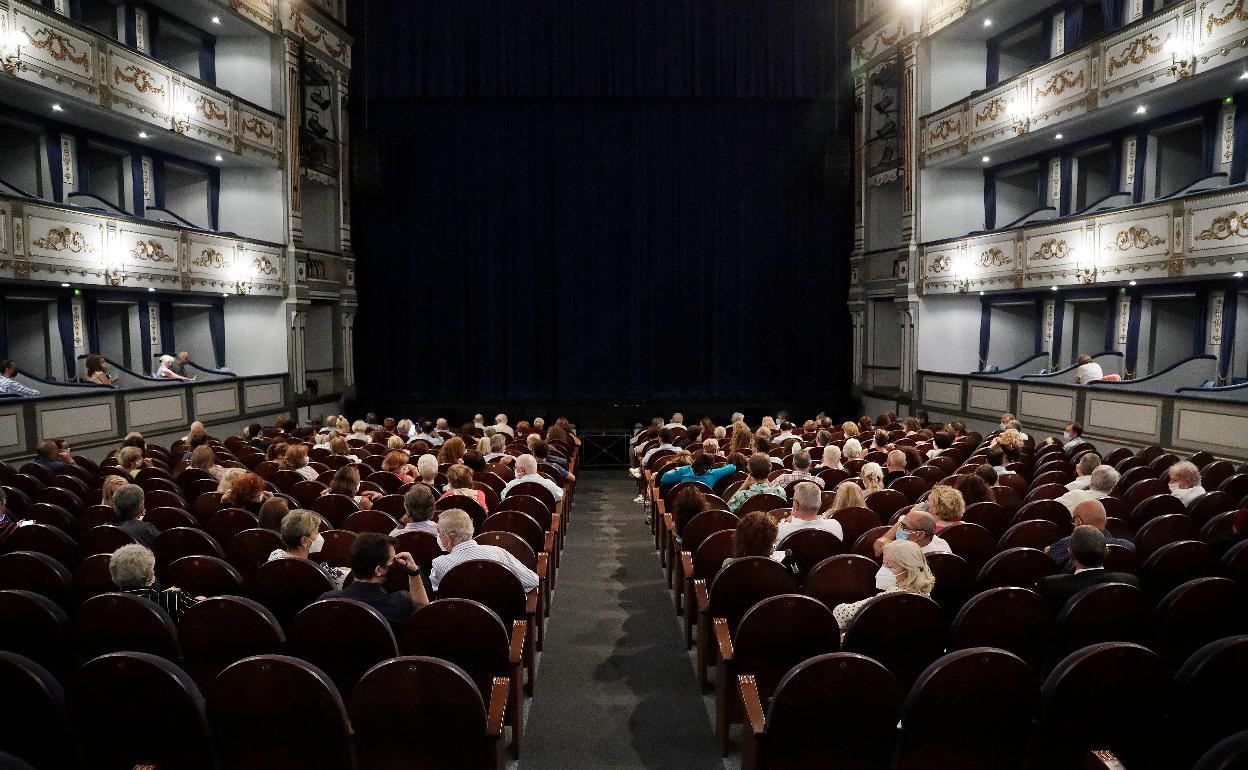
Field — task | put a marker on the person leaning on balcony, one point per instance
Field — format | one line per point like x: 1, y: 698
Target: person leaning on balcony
x: 165, y: 371
x: 1087, y: 370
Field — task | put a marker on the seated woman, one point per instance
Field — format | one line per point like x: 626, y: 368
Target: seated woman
x: 133, y: 570
x: 247, y: 491
x: 130, y: 460
x: 689, y: 502
x: 227, y: 479
x: 905, y: 569
x: 452, y: 451
x: 296, y: 459
x: 395, y: 442
x: 396, y: 462
x: 460, y: 478
x: 97, y: 371
x: 872, y: 477
x: 272, y: 513
x: 203, y: 459
x: 427, y: 470
x: 946, y: 504
x: 346, y: 481
x: 165, y: 370
x: 562, y: 431
x: 339, y: 446
x: 973, y: 488
x: 852, y: 449
x: 755, y: 535
x: 701, y: 468
x: 109, y: 486
x: 831, y: 457
x: 301, y: 538
x: 848, y: 495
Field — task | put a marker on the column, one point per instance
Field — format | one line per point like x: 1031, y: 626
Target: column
x: 344, y: 164
x: 294, y: 94
x: 860, y: 165
x: 908, y: 316
x: 909, y: 143
x: 348, y: 349
x: 298, y: 370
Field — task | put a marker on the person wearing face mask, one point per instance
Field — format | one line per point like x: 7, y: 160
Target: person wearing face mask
x: 455, y: 536
x: 133, y: 570
x: 919, y: 527
x: 301, y: 538
x: 372, y: 558
x: 1185, y: 482
x: 905, y: 569
x: 1072, y: 436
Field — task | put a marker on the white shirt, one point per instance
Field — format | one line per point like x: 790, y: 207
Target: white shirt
x: 554, y: 488
x: 503, y: 427
x: 674, y: 425
x: 1188, y: 495
x: 938, y: 545
x: 1076, y: 496
x: 791, y: 525
x: 1083, y: 482
x: 469, y: 550
x: 1088, y: 372
x: 650, y: 453
x: 308, y: 472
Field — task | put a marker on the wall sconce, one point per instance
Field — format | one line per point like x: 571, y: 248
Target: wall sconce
x: 242, y: 280
x: 1020, y: 114
x: 917, y: 10
x: 962, y: 273
x: 1181, y: 55
x: 11, y: 42
x: 1085, y: 262
x: 182, y: 116
x: 114, y: 266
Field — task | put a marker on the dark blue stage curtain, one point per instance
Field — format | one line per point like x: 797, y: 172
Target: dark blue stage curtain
x: 577, y: 200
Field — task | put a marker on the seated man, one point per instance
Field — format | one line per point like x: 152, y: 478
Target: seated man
x: 1072, y: 436
x: 1103, y: 480
x: 1018, y: 426
x: 667, y: 440
x: 1089, y: 462
x: 996, y: 459
x: 501, y: 426
x: 1185, y: 482
x: 455, y: 537
x: 1092, y: 514
x: 418, y: 505
x: 10, y: 386
x: 1087, y: 370
x: 526, y: 470
x: 894, y: 467
x: 678, y: 421
x: 758, y: 466
x: 372, y: 558
x: 806, y: 498
x: 1087, y: 551
x: 133, y: 570
x: 701, y: 469
x: 919, y: 526
x: 800, y: 472
x: 50, y: 456
x: 128, y: 502
x: 497, y: 442
x: 941, y: 441
x: 541, y: 452
x: 786, y: 432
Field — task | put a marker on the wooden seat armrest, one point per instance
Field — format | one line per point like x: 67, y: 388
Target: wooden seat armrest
x: 724, y: 639
x: 548, y: 545
x: 1101, y: 759
x: 704, y: 598
x: 530, y: 601
x: 519, y: 630
x: 686, y: 562
x: 558, y: 508
x: 499, y: 694
x: 670, y: 524
x: 556, y: 520
x: 543, y: 564
x: 753, y: 704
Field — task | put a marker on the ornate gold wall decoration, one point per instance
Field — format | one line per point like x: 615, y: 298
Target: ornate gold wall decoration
x: 946, y: 128
x: 210, y: 258
x: 319, y: 35
x: 1136, y: 238
x: 264, y: 266
x: 1052, y: 249
x: 208, y: 108
x: 1225, y: 226
x: 152, y: 251
x: 993, y: 110
x: 993, y: 257
x: 59, y: 48
x: 881, y: 40
x: 64, y: 239
x: 1139, y: 50
x: 1059, y: 83
x: 141, y: 79
x: 1232, y: 11
x: 257, y: 128
x: 941, y: 263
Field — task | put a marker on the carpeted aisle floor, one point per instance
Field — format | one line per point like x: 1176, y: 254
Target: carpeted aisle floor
x: 615, y: 686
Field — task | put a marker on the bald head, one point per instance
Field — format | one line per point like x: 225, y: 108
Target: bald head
x: 526, y: 465
x: 1090, y: 512
x: 922, y: 526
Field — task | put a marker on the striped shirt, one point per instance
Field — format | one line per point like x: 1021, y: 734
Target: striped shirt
x: 12, y: 387
x: 8, y: 525
x: 174, y: 602
x: 791, y: 476
x: 470, y: 551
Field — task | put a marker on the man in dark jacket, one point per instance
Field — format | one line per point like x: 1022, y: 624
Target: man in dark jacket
x: 1087, y: 552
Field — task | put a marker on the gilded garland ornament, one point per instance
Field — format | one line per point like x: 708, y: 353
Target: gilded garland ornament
x: 1223, y: 227
x: 993, y: 257
x: 1139, y: 50
x: 139, y: 78
x: 210, y: 258
x: 64, y: 239
x: 1136, y: 238
x: 1052, y: 249
x: 59, y: 48
x: 152, y: 251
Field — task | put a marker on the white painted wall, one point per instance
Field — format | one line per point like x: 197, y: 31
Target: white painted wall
x: 1016, y: 196
x: 957, y: 68
x: 251, y: 68
x: 252, y: 203
x: 1240, y: 355
x: 1167, y: 338
x: 885, y: 334
x: 321, y: 216
x: 21, y: 159
x: 951, y: 203
x: 255, y: 335
x: 883, y: 215
x: 1089, y: 320
x: 1013, y: 335
x: 949, y: 334
x: 115, y: 335
x: 28, y: 327
x: 191, y: 333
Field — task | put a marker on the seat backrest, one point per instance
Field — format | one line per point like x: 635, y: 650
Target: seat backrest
x: 250, y: 548
x: 487, y: 582
x: 993, y: 692
x: 253, y: 714
x: 203, y: 576
x: 904, y: 631
x: 463, y: 632
x: 1010, y: 618
x: 862, y: 693
x: 517, y: 523
x: 1050, y: 491
x: 534, y: 507
x: 287, y: 585
x: 779, y: 632
x: 810, y: 546
x: 1152, y: 507
x: 855, y: 521
x: 44, y: 539
x: 886, y: 502
x: 512, y: 544
x: 1162, y: 530
x: 970, y: 541
x: 36, y: 572
x: 841, y: 579
x: 223, y: 629
x: 406, y: 711
x: 105, y: 538
x: 711, y: 555
x: 175, y: 731
x: 989, y: 515
x: 1213, y: 474
x: 336, y: 508
x: 1209, y: 505
x: 1050, y: 510
x: 38, y: 729
x: 743, y: 583
x: 1196, y: 613
x: 173, y: 544
x: 1208, y: 694
x: 343, y: 637
x: 910, y: 486
x: 534, y: 489
x: 703, y: 525
x: 468, y: 505
x: 117, y: 622
x: 1036, y: 533
x: 762, y: 502
x: 1108, y: 612
x: 53, y: 515
x: 1176, y: 563
x: 1016, y: 567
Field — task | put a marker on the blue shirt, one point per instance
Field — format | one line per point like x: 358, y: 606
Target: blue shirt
x: 15, y: 388
x: 685, y: 473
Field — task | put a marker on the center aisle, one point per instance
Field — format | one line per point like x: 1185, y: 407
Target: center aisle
x: 615, y: 686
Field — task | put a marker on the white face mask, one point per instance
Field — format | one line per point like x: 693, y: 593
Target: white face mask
x: 885, y: 579
x: 317, y: 544
x: 1175, y: 488
x: 1004, y: 426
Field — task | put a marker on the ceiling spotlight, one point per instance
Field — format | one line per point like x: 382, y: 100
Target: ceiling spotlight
x: 216, y: 19
x: 64, y: 286
x: 1130, y: 283
x: 219, y: 158
x: 987, y: 22
x: 1057, y: 136
x: 981, y: 294
x: 151, y: 288
x: 225, y: 294
x: 985, y: 159
x: 1141, y: 110
x: 1052, y: 288
x: 57, y: 108
x: 142, y: 134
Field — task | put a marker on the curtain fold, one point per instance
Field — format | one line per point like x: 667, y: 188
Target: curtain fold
x: 990, y: 201
x: 1200, y: 323
x: 1141, y: 154
x: 167, y: 340
x: 1072, y: 27
x: 985, y: 332
x: 216, y: 327
x: 91, y: 311
x: 65, y: 325
x: 1209, y: 145
x: 1039, y: 335
x: 1111, y: 11
x: 1132, y: 353
x: 1226, y: 355
x: 1059, y: 319
x: 55, y: 171
x: 145, y: 337
x: 1066, y: 174
x: 1111, y: 321
x: 1239, y: 153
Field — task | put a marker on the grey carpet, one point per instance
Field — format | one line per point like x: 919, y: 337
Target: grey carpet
x: 615, y: 687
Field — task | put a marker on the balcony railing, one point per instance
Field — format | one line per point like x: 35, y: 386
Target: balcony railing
x: 43, y: 241
x: 1183, y: 40
x: 53, y: 52
x: 1200, y: 235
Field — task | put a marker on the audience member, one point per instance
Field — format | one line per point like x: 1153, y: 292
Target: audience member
x: 301, y: 537
x: 1072, y: 436
x: 272, y: 513
x: 166, y: 370
x: 396, y: 462
x: 831, y: 458
x: 755, y: 535
x: 460, y: 484
x: 133, y: 570
x: 227, y: 479
x: 346, y: 482
x: 742, y: 439
x: 942, y: 440
x: 800, y: 472
x: 1088, y: 462
x: 1091, y: 513
x: 372, y: 558
x: 339, y: 446
x: 895, y: 467
x: 1087, y: 370
x: 419, y: 514
x: 452, y: 451
x: 986, y: 474
x: 852, y: 449
x: 247, y: 491
x: 919, y: 527
x: 758, y: 467
x: 667, y: 441
x: 203, y: 458
x: 1185, y: 482
x: 455, y: 536
x: 973, y: 488
x: 1102, y: 483
x: 1087, y: 556
x: 50, y: 456
x: 128, y: 503
x: 97, y: 371
x: 872, y: 477
x: 427, y: 470
x: 946, y: 504
x: 541, y: 452
x: 10, y: 386
x: 996, y: 459
x: 526, y: 471
x: 805, y: 515
x: 700, y: 468
x: 848, y: 495
x: 687, y: 503
x: 904, y: 569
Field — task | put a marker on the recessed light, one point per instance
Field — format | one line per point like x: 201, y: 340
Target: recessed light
x: 981, y: 294
x: 1057, y: 136
x: 1243, y: 76
x: 219, y: 159
x: 64, y: 286
x: 1130, y: 283
x: 987, y: 22
x: 985, y: 159
x: 142, y: 134
x: 1238, y: 275
x: 57, y: 108
x: 1052, y: 288
x: 216, y: 19
x: 1141, y: 110
x: 151, y: 288
x: 225, y: 294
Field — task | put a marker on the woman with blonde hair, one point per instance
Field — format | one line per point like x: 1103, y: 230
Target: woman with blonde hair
x: 849, y: 428
x: 905, y: 569
x: 848, y: 495
x: 946, y: 504
x: 203, y: 459
x: 395, y: 442
x: 130, y: 460
x: 852, y: 449
x: 112, y: 482
x: 228, y: 477
x: 296, y: 459
x: 452, y: 451
x: 831, y: 457
x: 427, y: 469
x: 872, y: 477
